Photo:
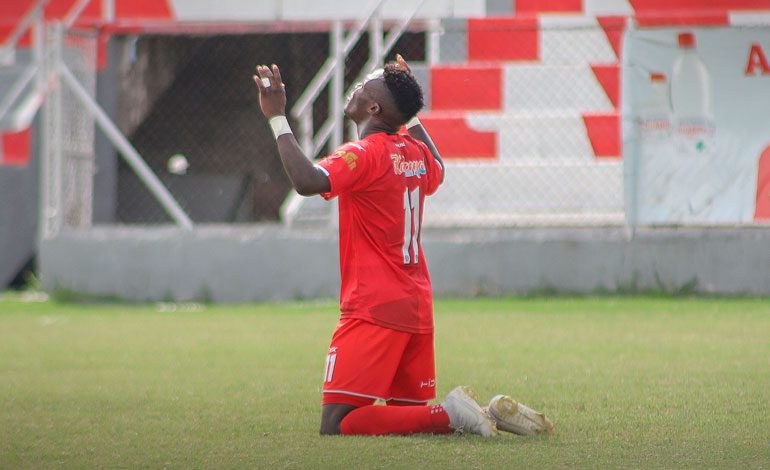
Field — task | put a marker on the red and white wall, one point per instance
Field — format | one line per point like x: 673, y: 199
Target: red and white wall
x: 552, y: 64
x: 537, y: 82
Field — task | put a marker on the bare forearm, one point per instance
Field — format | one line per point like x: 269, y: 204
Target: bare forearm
x: 419, y: 133
x: 305, y: 177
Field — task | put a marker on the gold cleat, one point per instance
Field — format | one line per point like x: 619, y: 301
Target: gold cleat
x: 512, y: 416
x: 465, y: 414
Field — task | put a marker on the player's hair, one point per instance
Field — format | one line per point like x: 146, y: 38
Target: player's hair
x: 405, y: 90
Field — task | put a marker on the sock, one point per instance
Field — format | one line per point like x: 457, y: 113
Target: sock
x: 376, y: 420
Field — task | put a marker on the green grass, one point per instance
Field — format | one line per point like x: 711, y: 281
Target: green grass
x: 629, y: 382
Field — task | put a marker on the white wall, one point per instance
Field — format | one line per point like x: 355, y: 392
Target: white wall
x: 270, y: 262
x: 318, y: 10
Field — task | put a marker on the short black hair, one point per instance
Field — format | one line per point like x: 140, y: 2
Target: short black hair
x: 406, y: 92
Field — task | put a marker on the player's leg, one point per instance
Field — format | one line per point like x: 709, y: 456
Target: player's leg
x: 378, y: 420
x: 359, y: 368
x: 415, y: 380
x: 415, y: 416
x: 361, y: 365
x: 331, y: 415
x: 440, y: 429
x: 413, y: 386
x: 335, y: 407
x: 458, y: 412
x: 415, y: 383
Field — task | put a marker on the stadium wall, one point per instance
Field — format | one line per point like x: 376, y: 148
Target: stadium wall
x: 271, y: 262
x: 18, y: 213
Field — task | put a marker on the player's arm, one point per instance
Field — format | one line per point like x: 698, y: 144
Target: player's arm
x: 306, y: 178
x: 416, y: 129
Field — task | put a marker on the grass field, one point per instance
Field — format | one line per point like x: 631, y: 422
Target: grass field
x: 629, y: 382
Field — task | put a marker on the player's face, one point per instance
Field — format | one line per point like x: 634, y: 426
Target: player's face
x: 361, y: 98
x: 352, y: 103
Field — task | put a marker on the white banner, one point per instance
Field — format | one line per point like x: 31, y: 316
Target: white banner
x: 696, y: 130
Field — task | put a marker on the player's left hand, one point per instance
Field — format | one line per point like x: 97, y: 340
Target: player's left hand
x: 402, y: 64
x: 272, y: 92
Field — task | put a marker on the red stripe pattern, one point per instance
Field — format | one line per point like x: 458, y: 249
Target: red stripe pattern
x: 548, y: 6
x: 466, y: 87
x: 603, y: 131
x: 455, y: 139
x: 16, y: 147
x: 502, y: 39
x: 608, y: 77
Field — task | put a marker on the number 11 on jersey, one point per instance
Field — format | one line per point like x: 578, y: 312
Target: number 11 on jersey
x: 411, y: 218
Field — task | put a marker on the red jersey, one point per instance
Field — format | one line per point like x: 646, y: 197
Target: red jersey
x: 382, y: 181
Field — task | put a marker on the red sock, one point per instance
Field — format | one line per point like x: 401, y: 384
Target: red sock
x: 375, y: 420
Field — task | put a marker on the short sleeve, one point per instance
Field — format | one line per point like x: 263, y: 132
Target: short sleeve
x: 435, y: 171
x: 347, y: 169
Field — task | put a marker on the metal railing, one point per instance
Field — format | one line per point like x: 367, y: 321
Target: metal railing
x: 124, y: 147
x: 334, y: 70
x: 60, y: 125
x: 33, y: 16
x: 32, y: 21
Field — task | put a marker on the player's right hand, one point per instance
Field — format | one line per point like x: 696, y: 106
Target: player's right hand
x: 272, y: 91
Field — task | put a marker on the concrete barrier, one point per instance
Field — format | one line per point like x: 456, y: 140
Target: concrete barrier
x: 271, y: 262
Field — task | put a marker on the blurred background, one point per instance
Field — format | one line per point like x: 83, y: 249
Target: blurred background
x: 133, y: 147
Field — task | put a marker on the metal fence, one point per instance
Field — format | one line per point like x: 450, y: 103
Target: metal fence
x: 528, y: 139
x: 68, y: 145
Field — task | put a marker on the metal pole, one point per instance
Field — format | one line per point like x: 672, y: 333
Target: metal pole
x: 433, y: 42
x: 306, y: 129
x: 8, y: 48
x: 16, y: 90
x: 56, y: 214
x: 38, y: 51
x: 108, y: 10
x: 45, y: 212
x: 44, y: 215
x: 375, y: 42
x: 629, y: 133
x: 380, y: 45
x: 128, y: 151
x: 338, y: 84
x: 74, y: 13
x: 322, y: 77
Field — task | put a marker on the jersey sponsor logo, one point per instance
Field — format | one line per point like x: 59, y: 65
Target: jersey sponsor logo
x: 349, y: 158
x: 406, y: 167
x: 431, y: 383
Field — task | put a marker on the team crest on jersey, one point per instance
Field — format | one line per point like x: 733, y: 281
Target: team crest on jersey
x: 407, y: 168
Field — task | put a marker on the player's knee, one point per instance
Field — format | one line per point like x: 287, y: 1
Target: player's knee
x: 331, y: 417
x: 330, y: 424
x: 329, y: 428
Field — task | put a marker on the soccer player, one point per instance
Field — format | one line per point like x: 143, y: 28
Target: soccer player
x: 382, y: 347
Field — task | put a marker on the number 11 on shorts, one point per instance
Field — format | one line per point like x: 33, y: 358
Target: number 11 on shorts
x: 411, y: 217
x: 331, y: 359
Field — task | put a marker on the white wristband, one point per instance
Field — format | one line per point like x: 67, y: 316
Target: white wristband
x: 413, y: 122
x: 280, y: 126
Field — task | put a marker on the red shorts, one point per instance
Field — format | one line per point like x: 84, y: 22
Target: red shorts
x: 367, y: 362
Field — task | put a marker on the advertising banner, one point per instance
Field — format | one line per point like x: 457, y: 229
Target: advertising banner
x: 696, y: 129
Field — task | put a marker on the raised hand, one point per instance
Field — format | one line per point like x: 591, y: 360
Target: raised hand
x: 402, y: 63
x: 272, y: 91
